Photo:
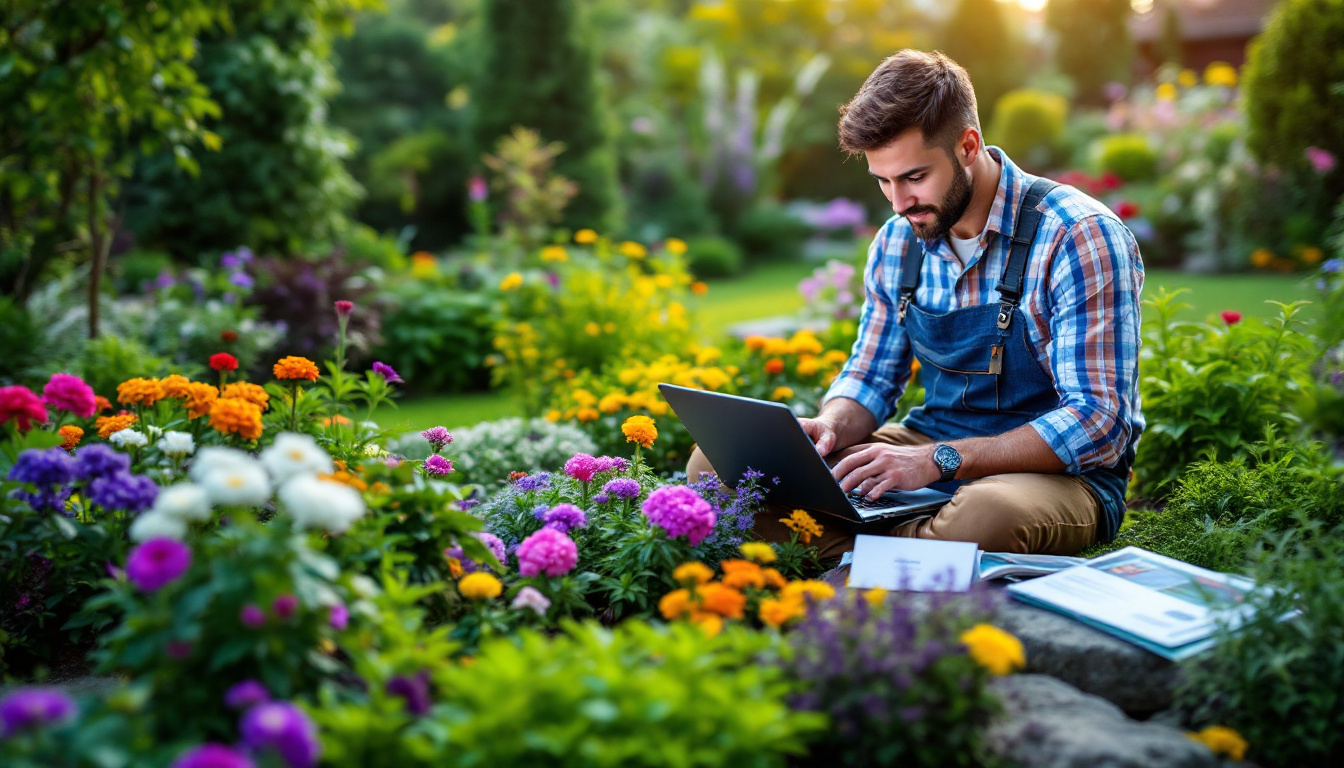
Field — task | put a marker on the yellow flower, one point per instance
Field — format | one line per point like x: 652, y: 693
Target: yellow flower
x: 1166, y: 92
x: 805, y: 343
x: 802, y: 524
x: 757, y: 551
x: 240, y: 417
x: 200, y: 396
x: 640, y: 429
x: 707, y: 355
x: 807, y: 365
x: 1222, y: 741
x: 674, y: 246
x: 72, y: 435
x: 110, y: 425
x: 776, y: 613
x: 592, y: 329
x: 552, y: 416
x: 674, y: 604
x: 245, y: 390
x: 632, y: 250
x: 511, y: 281
x: 586, y: 414
x: 693, y: 571
x: 1262, y: 257
x: 710, y: 623
x: 817, y: 590
x: 782, y: 393
x: 1221, y: 73
x: 1187, y: 78
x: 293, y: 367
x: 754, y: 343
x: 992, y: 648
x: 423, y: 264
x: 556, y: 253
x: 480, y: 586
x: 175, y: 386
x: 875, y: 596
x: 585, y: 237
x: 611, y: 402
x: 1311, y: 255
x: 139, y: 391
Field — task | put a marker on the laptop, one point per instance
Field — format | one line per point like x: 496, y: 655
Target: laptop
x: 737, y: 433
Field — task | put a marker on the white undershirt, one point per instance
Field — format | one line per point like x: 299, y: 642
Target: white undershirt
x: 963, y: 249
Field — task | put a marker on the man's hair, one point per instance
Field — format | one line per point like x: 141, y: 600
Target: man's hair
x: 911, y: 89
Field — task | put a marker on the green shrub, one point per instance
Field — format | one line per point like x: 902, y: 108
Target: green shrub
x: 1209, y: 391
x: 136, y: 270
x: 109, y: 360
x: 438, y: 337
x: 713, y: 257
x: 1278, y: 682
x: 421, y: 178
x: 19, y: 342
x: 768, y: 232
x: 1292, y: 85
x: 489, y: 451
x: 1028, y: 125
x: 1127, y: 155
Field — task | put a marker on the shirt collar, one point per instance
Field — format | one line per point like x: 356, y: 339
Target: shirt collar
x: 1013, y: 184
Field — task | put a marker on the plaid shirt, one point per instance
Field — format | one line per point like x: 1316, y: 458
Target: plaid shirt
x: 1080, y: 298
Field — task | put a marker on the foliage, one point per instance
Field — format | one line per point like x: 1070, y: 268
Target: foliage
x: 978, y: 37
x: 1277, y: 681
x: 1028, y: 125
x: 713, y: 256
x: 538, y: 69
x: 109, y: 360
x: 418, y: 179
x: 1128, y: 156
x: 1210, y: 391
x: 1295, y: 86
x: 769, y: 232
x: 301, y: 293
x: 533, y: 197
x: 487, y: 452
x: 20, y: 341
x: 437, y: 335
x: 1093, y: 45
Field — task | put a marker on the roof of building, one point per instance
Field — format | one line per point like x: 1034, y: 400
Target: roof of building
x: 1204, y: 19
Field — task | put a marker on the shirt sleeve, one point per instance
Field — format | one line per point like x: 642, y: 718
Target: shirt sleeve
x: 878, y: 367
x: 1094, y: 288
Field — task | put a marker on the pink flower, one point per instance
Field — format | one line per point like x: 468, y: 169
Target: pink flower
x: 1230, y: 316
x: 547, y: 551
x: 476, y: 189
x: 70, y: 393
x: 157, y: 563
x: 680, y: 511
x: 531, y: 598
x: 20, y: 404
x: 1322, y: 161
x: 252, y: 616
x: 437, y: 465
x: 344, y: 308
x: 285, y: 606
x: 339, y: 616
x: 582, y: 467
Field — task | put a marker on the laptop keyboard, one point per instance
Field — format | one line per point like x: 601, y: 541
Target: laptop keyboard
x: 861, y: 501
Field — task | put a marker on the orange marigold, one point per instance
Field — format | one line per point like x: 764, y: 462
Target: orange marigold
x: 296, y: 368
x: 776, y: 613
x: 246, y: 390
x: 72, y: 435
x: 817, y: 590
x: 345, y: 478
x: 723, y: 600
x: 693, y: 571
x: 640, y: 429
x: 200, y: 396
x: 744, y: 579
x: 110, y: 425
x: 773, y: 578
x: 102, y: 403
x: 176, y: 386
x: 674, y: 604
x: 229, y: 415
x: 139, y: 391
x: 712, y: 624
x: 774, y: 365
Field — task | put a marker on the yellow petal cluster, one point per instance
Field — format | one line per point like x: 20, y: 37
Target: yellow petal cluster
x: 994, y: 649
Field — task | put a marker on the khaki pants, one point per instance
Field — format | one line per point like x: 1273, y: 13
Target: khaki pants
x: 1024, y: 513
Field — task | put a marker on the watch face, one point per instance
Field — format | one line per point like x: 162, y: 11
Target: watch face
x: 947, y: 457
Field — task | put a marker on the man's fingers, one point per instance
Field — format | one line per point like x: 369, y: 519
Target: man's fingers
x: 825, y: 441
x: 882, y: 487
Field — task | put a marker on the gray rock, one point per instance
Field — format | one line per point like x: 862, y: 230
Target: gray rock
x: 1137, y: 681
x: 1046, y: 723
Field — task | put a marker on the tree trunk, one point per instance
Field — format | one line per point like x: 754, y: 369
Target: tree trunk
x: 99, y: 251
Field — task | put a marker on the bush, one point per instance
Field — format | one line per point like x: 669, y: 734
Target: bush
x: 489, y: 451
x: 302, y: 293
x: 136, y: 271
x: 109, y: 360
x: 20, y: 342
x: 1128, y: 156
x: 713, y: 257
x: 1293, y: 86
x: 769, y: 232
x: 438, y: 337
x: 1028, y: 125
x: 420, y: 178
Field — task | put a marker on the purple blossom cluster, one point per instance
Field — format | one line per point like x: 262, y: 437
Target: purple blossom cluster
x: 51, y: 472
x: 584, y: 468
x: 437, y: 466
x: 680, y: 511
x: 32, y: 708
x: 212, y: 755
x: 284, y: 728
x: 106, y: 472
x: 414, y: 689
x: 123, y: 491
x: 735, y: 513
x: 490, y: 540
x: 623, y: 488
x: 437, y: 437
x: 156, y: 563
x: 547, y: 551
x: 533, y: 483
x: 565, y: 518
x: 387, y: 372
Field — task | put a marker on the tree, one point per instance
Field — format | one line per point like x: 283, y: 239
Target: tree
x: 85, y: 86
x: 977, y: 37
x: 1093, y: 45
x: 538, y: 72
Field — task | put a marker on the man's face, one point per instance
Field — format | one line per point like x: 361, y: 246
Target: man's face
x: 923, y: 183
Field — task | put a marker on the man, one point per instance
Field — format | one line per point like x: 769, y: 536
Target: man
x: 1029, y: 355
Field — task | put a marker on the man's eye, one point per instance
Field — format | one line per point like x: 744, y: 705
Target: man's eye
x: 915, y: 179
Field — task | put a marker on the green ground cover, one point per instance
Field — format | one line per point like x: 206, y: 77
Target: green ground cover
x: 772, y: 289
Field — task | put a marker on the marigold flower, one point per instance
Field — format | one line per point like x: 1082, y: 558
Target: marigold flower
x: 739, y: 566
x: 72, y: 436
x: 757, y: 551
x: 674, y: 604
x: 694, y: 571
x: 585, y: 237
x: 511, y: 281
x: 1221, y: 73
x: 699, y: 288
x: 101, y: 404
x: 139, y: 391
x: 234, y: 416
x: 108, y: 426
x: 293, y: 367
x: 777, y: 613
x: 611, y: 403
x: 817, y: 590
x: 744, y: 579
x: 585, y: 415
x: 774, y: 365
x: 710, y: 623
x: 632, y: 250
x: 774, y: 579
x: 782, y: 393
x: 480, y: 586
x: 721, y: 599
x: 754, y: 343
x: 875, y: 596
x: 1166, y: 92
x: 802, y: 524
x: 640, y: 429
x: 1262, y: 257
x: 338, y: 419
x: 455, y: 568
x: 223, y: 361
x: 1222, y: 741
x: 675, y: 246
x: 555, y: 253
x: 175, y: 386
x: 245, y: 390
x: 200, y: 396
x: 344, y: 477
x: 994, y: 649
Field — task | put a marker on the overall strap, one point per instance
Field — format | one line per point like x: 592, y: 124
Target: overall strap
x: 1024, y: 233
x: 912, y: 263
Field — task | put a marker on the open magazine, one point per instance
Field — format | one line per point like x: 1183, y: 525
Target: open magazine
x: 1000, y: 565
x: 1164, y: 605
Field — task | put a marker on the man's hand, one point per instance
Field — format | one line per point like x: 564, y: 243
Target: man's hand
x: 877, y: 468
x: 822, y: 434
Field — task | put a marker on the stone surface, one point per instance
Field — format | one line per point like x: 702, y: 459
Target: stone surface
x: 1047, y: 723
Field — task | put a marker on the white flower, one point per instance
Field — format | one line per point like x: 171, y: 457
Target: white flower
x: 184, y: 501
x: 294, y: 454
x: 212, y: 458
x: 373, y: 450
x: 364, y: 586
x: 157, y: 525
x: 153, y: 431
x: 237, y: 485
x: 531, y: 597
x: 128, y: 438
x: 318, y: 503
x: 177, y: 444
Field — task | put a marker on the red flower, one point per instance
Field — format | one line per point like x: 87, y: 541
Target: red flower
x: 1231, y: 317
x: 1110, y: 181
x: 228, y: 336
x: 1126, y: 209
x: 22, y: 405
x: 223, y: 361
x: 343, y: 308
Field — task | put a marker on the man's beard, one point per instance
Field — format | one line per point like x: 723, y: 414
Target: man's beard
x: 948, y: 212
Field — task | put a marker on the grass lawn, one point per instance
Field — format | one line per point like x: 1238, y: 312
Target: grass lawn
x: 772, y: 289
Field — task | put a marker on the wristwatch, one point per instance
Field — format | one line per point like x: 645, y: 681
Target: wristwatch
x: 948, y: 461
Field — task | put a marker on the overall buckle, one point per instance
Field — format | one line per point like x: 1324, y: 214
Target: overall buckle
x: 1006, y: 309
x: 900, y: 308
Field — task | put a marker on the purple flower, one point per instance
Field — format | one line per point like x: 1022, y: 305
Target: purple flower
x: 285, y: 606
x: 1322, y: 160
x: 178, y: 649
x: 609, y: 463
x: 547, y: 551
x: 680, y: 511
x: 532, y: 483
x: 165, y: 280
x: 339, y: 616
x: 437, y: 437
x: 565, y: 518
x: 123, y: 491
x: 33, y: 708
x: 213, y: 756
x: 467, y: 504
x: 241, y: 279
x: 246, y: 694
x: 1332, y: 266
x: 99, y: 460
x: 415, y: 690
x: 490, y: 540
x: 43, y: 468
x: 540, y: 511
x: 437, y: 465
x: 623, y: 487
x: 582, y: 467
x: 252, y: 616
x: 283, y: 727
x: 157, y: 563
x: 476, y: 189
x: 601, y: 498
x: 385, y: 370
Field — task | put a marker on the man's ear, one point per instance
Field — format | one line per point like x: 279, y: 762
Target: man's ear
x: 969, y: 147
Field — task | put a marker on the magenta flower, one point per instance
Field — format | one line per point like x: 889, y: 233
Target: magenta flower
x: 547, y: 551
x: 178, y: 649
x: 680, y: 511
x: 246, y: 694
x: 33, y: 708
x: 476, y: 189
x: 213, y: 756
x: 21, y: 405
x: 157, y: 563
x: 285, y: 606
x: 283, y: 727
x: 385, y: 370
x: 437, y: 436
x: 608, y: 463
x: 1322, y: 160
x: 70, y: 393
x: 252, y: 616
x: 437, y: 465
x: 339, y: 616
x: 582, y: 467
x: 415, y: 690
x: 344, y: 308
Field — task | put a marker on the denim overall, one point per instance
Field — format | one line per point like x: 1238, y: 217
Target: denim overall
x: 980, y: 375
